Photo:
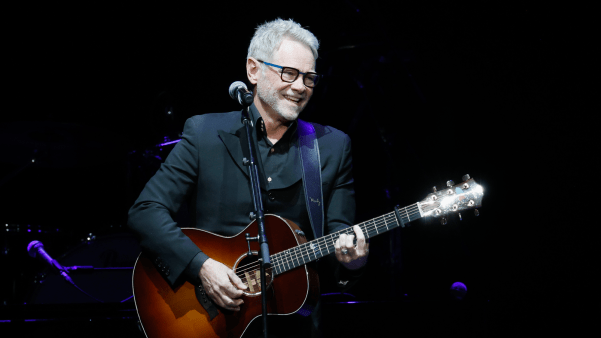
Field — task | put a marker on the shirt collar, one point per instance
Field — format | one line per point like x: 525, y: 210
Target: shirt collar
x: 259, y: 124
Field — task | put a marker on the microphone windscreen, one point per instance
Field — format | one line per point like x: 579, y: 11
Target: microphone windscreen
x: 32, y: 248
x: 234, y: 86
x: 458, y: 290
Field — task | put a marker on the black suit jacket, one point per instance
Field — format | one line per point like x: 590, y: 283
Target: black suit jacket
x: 205, y: 169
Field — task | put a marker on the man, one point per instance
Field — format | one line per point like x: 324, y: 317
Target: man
x: 205, y: 169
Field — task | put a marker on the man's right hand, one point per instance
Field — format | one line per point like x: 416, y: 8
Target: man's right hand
x: 222, y: 284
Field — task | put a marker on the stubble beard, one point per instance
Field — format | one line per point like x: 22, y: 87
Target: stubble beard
x: 270, y: 96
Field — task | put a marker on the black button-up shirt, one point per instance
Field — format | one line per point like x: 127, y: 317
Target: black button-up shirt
x: 280, y: 171
x: 281, y: 166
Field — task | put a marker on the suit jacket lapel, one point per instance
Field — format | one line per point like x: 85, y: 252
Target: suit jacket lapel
x: 235, y: 141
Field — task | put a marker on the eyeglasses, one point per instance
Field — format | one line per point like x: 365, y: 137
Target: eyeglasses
x: 290, y: 75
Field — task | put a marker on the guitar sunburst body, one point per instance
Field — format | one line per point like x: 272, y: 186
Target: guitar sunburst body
x: 167, y: 312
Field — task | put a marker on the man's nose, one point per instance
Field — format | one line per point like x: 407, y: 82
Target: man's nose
x: 299, y: 84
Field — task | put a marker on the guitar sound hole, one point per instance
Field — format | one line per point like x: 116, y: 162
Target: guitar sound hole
x: 249, y: 271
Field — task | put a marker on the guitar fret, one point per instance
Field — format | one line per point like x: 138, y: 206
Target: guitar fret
x: 290, y: 259
x: 419, y: 208
x: 308, y: 252
x: 274, y: 262
x: 300, y: 256
x: 296, y: 257
x: 303, y: 252
x: 281, y: 265
x: 394, y: 220
x: 313, y: 247
x: 321, y: 252
x: 288, y: 262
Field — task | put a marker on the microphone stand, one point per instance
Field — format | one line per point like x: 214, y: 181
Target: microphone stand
x: 253, y: 172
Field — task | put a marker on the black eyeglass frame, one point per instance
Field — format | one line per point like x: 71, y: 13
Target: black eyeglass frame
x: 298, y: 72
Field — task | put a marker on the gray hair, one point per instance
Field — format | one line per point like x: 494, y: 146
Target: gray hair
x: 268, y: 38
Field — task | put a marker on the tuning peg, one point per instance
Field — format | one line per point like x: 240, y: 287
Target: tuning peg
x: 434, y: 189
x: 443, y: 220
x: 461, y: 219
x: 476, y: 212
x: 450, y: 183
x: 465, y: 177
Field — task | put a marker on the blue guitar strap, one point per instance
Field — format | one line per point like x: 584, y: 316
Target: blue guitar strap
x: 309, y: 154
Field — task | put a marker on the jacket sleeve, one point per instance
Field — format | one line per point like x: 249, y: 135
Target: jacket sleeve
x: 340, y: 213
x: 151, y: 216
x: 340, y: 206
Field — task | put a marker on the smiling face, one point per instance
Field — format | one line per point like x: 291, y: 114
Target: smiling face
x: 284, y: 100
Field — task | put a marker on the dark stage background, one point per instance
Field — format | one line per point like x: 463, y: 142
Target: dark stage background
x: 426, y: 92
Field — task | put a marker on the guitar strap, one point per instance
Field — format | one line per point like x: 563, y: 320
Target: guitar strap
x: 309, y: 154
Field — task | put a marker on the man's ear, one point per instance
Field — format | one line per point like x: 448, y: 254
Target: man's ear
x: 252, y: 70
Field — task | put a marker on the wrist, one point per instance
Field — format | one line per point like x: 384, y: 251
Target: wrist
x: 356, y: 264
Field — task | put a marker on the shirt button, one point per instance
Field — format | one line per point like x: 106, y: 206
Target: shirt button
x: 272, y: 150
x: 268, y: 179
x: 271, y: 197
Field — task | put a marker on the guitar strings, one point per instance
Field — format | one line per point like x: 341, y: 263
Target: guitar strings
x: 281, y: 261
x: 289, y: 256
x: 369, y: 227
x: 283, y: 258
x: 293, y: 256
x: 297, y: 252
x: 327, y: 243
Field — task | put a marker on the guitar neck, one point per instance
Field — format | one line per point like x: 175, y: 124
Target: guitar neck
x: 323, y: 246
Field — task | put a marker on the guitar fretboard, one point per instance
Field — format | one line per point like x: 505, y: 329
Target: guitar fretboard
x: 323, y: 246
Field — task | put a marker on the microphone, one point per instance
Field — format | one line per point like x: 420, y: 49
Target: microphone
x: 36, y: 249
x: 458, y: 291
x: 239, y: 92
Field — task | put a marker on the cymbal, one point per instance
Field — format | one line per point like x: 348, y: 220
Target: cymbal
x: 56, y: 145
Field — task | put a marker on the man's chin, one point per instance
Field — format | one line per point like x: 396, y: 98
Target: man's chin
x: 289, y: 115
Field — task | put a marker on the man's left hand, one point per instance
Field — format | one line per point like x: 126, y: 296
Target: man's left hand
x: 351, y: 256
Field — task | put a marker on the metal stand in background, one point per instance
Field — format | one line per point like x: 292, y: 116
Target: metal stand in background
x: 253, y: 172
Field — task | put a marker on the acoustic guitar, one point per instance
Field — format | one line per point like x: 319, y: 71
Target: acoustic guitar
x: 293, y: 285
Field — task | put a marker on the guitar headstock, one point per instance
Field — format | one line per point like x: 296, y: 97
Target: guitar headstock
x: 453, y: 199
